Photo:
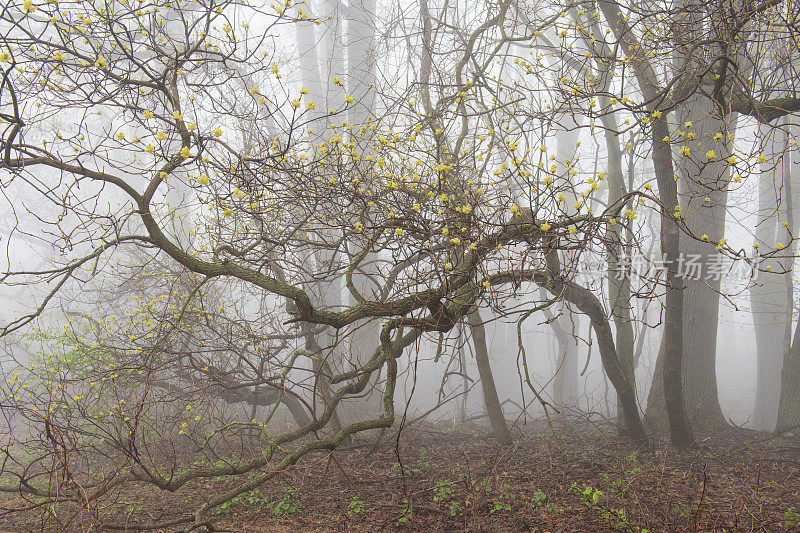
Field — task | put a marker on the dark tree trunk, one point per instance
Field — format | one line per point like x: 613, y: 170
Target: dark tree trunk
x: 589, y: 305
x: 490, y: 399
x: 789, y: 410
x: 680, y: 428
x: 619, y: 286
x: 672, y: 342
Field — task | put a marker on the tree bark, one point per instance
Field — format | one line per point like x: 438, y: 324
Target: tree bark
x: 359, y: 80
x: 490, y: 399
x: 565, y: 381
x: 619, y: 286
x: 681, y: 434
x: 789, y: 408
x: 566, y: 326
x: 789, y: 404
x: 704, y: 196
x: 589, y: 305
x: 680, y: 430
x: 770, y: 300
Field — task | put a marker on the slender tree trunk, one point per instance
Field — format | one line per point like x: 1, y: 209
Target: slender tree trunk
x: 680, y: 429
x: 566, y: 385
x: 566, y: 328
x: 296, y: 409
x: 588, y: 304
x: 789, y: 408
x: 681, y: 434
x: 770, y: 301
x: 322, y: 385
x: 619, y: 286
x: 490, y: 399
x: 567, y: 325
x: 789, y: 404
x: 462, y: 365
x: 619, y: 298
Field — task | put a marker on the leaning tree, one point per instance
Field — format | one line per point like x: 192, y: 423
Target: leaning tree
x: 198, y: 210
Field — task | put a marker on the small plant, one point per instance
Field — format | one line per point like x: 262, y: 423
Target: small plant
x: 622, y: 484
x: 588, y: 494
x: 502, y: 503
x: 621, y: 518
x: 255, y: 499
x: 499, y: 506
x: 225, y: 508
x: 288, y: 505
x: 443, y: 491
x: 405, y: 514
x: 592, y: 496
x: 455, y: 509
x: 539, y: 498
x: 356, y: 507
x: 595, y: 499
x: 791, y: 518
x: 423, y: 464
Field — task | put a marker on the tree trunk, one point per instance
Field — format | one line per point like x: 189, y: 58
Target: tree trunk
x: 327, y: 292
x: 704, y: 197
x: 359, y: 80
x: 462, y: 366
x: 680, y: 430
x: 490, y: 399
x: 672, y: 341
x: 589, y: 305
x: 322, y: 386
x: 566, y: 329
x: 770, y: 300
x: 565, y: 383
x: 361, y: 66
x: 619, y: 286
x: 296, y: 409
x: 789, y: 409
x: 789, y: 404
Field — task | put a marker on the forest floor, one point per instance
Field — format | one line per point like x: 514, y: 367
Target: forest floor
x: 437, y: 478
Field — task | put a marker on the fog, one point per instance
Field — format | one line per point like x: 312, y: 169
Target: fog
x: 254, y: 252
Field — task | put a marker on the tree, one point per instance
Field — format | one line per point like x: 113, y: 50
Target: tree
x: 770, y: 296
x: 680, y: 431
x: 159, y: 406
x: 494, y: 409
x: 705, y: 90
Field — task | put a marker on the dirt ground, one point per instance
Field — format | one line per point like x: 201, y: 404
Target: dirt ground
x: 445, y: 478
